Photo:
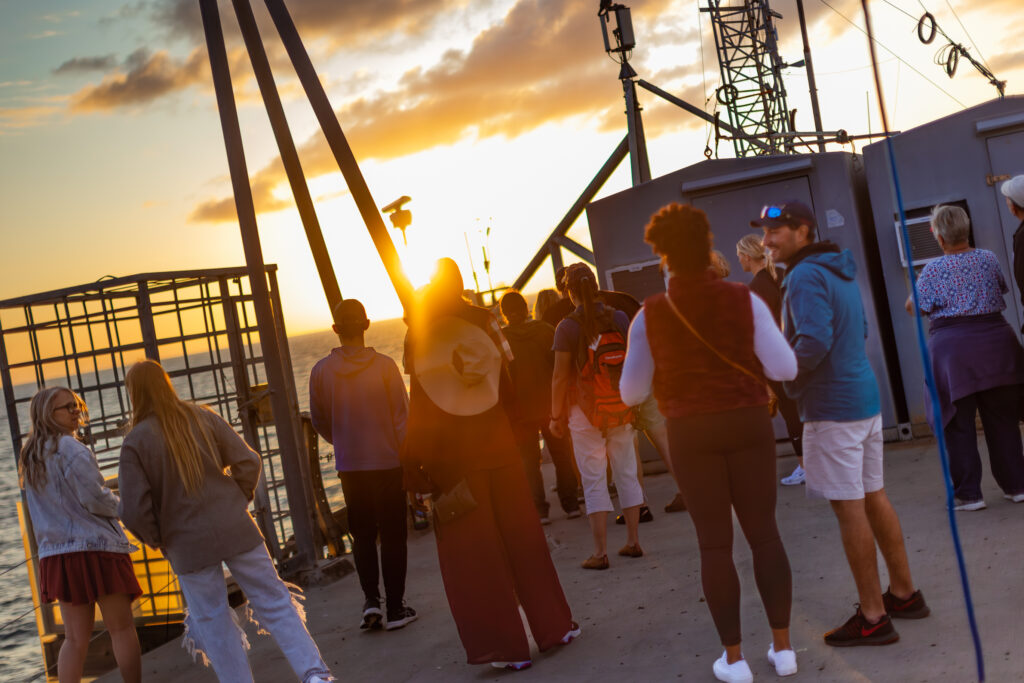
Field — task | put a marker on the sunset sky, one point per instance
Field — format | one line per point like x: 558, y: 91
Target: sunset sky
x: 486, y: 112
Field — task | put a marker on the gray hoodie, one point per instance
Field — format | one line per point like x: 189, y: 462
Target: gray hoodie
x: 358, y: 403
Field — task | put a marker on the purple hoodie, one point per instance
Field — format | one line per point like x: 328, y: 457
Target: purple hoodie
x: 358, y: 403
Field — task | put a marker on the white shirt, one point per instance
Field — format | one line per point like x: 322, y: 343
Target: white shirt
x: 770, y: 347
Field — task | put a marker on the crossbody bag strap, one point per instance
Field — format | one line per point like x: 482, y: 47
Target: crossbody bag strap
x: 706, y: 343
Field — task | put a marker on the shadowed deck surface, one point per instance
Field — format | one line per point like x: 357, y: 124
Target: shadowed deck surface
x: 645, y: 619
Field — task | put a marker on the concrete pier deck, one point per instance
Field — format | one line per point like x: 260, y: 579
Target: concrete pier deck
x: 645, y: 619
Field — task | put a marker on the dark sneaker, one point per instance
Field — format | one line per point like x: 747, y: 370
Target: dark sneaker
x: 398, y: 618
x: 678, y: 504
x: 859, y: 631
x: 373, y: 616
x: 913, y: 607
x: 645, y: 516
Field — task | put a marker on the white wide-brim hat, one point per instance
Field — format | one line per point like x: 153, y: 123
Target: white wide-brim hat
x: 458, y: 366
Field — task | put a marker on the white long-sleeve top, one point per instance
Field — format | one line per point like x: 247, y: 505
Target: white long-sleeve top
x: 770, y: 346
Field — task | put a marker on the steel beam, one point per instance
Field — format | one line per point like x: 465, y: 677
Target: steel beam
x: 289, y: 155
x: 284, y: 420
x: 574, y: 212
x: 341, y: 149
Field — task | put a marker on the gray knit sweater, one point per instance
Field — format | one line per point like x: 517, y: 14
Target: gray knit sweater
x: 192, y: 531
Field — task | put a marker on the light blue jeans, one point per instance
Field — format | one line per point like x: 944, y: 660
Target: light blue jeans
x: 212, y: 631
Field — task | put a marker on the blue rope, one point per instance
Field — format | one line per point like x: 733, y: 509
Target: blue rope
x: 929, y: 377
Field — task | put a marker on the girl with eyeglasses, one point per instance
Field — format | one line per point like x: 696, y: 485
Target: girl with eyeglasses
x: 83, y: 553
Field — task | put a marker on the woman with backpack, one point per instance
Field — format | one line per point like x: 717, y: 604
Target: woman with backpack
x: 590, y: 347
x: 708, y: 346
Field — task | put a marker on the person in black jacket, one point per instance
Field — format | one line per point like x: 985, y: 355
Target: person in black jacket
x: 767, y: 284
x: 531, y: 368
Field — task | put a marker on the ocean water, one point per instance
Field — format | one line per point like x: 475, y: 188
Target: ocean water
x: 20, y: 654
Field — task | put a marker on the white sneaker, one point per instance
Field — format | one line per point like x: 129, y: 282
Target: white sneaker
x: 1016, y: 497
x: 968, y: 505
x: 795, y: 478
x: 784, y: 661
x: 737, y: 672
x: 514, y: 666
x: 573, y: 634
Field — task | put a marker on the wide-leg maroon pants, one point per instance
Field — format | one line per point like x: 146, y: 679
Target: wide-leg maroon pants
x: 495, y: 559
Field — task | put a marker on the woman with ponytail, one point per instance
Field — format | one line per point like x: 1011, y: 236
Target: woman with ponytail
x: 83, y: 553
x: 186, y: 480
x: 594, y: 447
x: 767, y: 284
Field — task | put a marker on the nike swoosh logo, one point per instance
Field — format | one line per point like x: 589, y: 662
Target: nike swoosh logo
x: 868, y: 631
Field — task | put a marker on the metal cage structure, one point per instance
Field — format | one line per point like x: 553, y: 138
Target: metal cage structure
x: 752, y: 90
x: 201, y: 325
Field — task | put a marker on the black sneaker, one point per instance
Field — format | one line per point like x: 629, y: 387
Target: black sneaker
x: 373, y: 616
x: 399, y: 617
x: 645, y: 516
x: 859, y: 631
x: 913, y: 607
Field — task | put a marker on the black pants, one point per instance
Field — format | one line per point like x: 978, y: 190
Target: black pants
x: 561, y: 457
x: 999, y: 417
x: 791, y: 415
x: 725, y: 462
x: 377, y: 506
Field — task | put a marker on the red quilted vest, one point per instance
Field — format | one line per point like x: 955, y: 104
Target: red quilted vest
x: 689, y: 379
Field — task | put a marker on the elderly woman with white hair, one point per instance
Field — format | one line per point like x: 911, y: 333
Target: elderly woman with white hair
x: 976, y: 358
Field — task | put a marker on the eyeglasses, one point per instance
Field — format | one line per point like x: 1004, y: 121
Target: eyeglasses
x: 71, y: 407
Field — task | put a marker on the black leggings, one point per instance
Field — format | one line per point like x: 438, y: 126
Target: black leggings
x: 724, y: 462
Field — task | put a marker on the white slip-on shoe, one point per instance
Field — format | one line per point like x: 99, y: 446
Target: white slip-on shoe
x: 784, y: 661
x: 968, y: 505
x: 795, y: 478
x: 737, y: 672
x: 1015, y: 497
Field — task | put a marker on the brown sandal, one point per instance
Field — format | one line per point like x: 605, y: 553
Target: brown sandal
x: 631, y: 550
x: 595, y: 562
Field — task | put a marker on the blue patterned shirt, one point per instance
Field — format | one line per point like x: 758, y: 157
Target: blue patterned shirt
x: 968, y: 283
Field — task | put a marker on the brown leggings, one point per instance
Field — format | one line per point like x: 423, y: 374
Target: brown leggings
x: 724, y: 462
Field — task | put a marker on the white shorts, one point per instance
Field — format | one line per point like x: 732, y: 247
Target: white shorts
x: 594, y: 452
x: 843, y: 460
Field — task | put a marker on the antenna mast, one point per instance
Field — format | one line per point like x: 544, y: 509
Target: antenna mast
x: 752, y: 90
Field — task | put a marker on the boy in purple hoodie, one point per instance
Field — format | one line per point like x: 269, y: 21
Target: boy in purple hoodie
x: 358, y: 403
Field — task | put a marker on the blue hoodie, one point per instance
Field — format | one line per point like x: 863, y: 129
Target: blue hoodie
x: 826, y: 326
x: 358, y: 403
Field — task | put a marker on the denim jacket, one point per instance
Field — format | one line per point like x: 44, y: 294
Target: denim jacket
x: 73, y: 511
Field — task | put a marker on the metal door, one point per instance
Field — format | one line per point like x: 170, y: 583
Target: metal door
x: 1006, y: 156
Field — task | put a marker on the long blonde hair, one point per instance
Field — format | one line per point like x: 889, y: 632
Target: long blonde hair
x: 151, y: 393
x: 545, y: 299
x: 43, y: 435
x: 752, y: 247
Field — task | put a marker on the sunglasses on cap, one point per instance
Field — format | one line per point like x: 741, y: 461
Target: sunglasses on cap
x: 772, y: 211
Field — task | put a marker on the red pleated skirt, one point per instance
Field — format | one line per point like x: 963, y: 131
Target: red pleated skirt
x: 82, y: 578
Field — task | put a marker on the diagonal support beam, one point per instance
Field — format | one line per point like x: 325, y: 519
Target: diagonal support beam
x: 574, y: 212
x: 576, y: 248
x: 289, y: 155
x: 341, y: 150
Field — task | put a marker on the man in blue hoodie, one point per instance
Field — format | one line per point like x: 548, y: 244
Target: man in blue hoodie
x: 358, y: 403
x: 837, y: 396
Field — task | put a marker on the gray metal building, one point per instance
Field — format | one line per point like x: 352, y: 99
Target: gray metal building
x: 960, y: 159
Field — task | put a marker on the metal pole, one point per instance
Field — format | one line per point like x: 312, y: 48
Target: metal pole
x: 697, y: 111
x: 815, y: 109
x: 639, y: 164
x: 289, y: 155
x: 577, y: 208
x: 284, y: 420
x: 342, y: 152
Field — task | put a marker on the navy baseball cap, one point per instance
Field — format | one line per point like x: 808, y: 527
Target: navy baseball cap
x: 790, y: 213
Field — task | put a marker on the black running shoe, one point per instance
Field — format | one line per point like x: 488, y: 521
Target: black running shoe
x: 373, y: 616
x: 859, y: 631
x: 397, y: 618
x: 913, y: 607
x: 645, y: 516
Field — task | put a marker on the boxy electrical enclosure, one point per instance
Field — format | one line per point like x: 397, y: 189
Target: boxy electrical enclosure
x: 732, y: 192
x: 960, y: 159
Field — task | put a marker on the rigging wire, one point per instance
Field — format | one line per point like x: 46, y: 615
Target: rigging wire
x: 925, y: 355
x: 874, y: 41
x: 967, y: 33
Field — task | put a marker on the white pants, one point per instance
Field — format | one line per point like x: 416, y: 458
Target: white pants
x: 593, y: 452
x: 212, y: 629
